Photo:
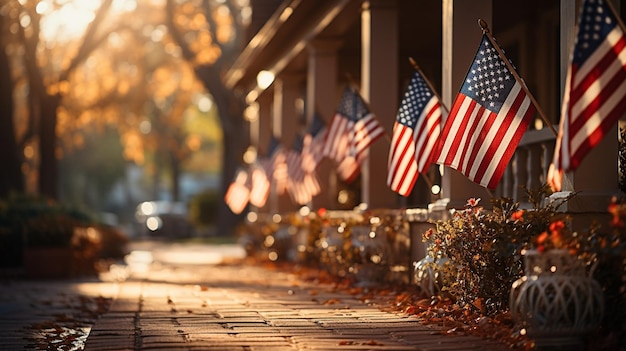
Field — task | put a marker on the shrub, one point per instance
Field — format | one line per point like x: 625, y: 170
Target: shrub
x: 484, y: 247
x: 203, y: 209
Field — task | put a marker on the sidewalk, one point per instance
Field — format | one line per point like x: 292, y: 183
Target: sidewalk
x: 186, y: 306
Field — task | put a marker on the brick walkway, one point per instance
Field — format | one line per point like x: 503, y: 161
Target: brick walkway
x: 177, y: 305
x: 243, y: 307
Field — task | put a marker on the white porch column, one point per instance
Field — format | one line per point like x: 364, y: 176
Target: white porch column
x: 461, y: 37
x: 285, y: 126
x: 379, y: 86
x: 321, y: 98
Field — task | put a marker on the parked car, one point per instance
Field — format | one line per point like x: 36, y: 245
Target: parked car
x: 163, y: 219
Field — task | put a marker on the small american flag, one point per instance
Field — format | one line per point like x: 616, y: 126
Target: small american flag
x: 277, y: 167
x: 415, y: 135
x: 488, y: 118
x: 313, y: 143
x: 238, y: 194
x: 595, y: 88
x: 353, y: 129
x: 260, y: 185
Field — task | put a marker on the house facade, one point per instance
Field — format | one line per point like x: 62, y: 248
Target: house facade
x: 313, y: 49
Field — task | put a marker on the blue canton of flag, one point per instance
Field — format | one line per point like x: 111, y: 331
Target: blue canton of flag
x: 489, y: 81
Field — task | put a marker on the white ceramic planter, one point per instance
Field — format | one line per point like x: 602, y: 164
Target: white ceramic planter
x: 556, y: 302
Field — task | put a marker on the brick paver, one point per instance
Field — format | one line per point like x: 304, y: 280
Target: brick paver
x: 245, y: 307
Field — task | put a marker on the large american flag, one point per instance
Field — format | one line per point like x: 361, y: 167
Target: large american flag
x: 352, y: 130
x: 595, y: 87
x: 415, y: 135
x: 487, y: 120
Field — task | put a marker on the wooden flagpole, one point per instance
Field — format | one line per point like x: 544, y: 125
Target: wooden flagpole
x: 485, y: 29
x: 618, y: 18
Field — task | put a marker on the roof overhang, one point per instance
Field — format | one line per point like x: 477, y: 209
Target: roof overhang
x: 280, y: 45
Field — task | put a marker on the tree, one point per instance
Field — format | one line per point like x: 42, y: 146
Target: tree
x: 48, y: 78
x: 118, y: 70
x: 210, y: 36
x: 11, y: 179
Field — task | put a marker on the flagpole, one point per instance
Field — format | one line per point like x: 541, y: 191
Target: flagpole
x: 417, y: 68
x: 618, y: 18
x: 485, y: 29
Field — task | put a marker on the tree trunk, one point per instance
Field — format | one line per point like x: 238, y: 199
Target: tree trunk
x: 230, y: 110
x: 226, y: 219
x: 11, y: 179
x: 48, y: 165
x: 175, y: 169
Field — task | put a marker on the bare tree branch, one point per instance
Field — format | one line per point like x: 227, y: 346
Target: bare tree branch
x: 89, y: 42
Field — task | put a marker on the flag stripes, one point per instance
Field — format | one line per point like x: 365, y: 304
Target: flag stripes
x: 595, y: 88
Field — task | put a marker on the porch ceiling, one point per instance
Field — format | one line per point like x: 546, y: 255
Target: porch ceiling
x: 281, y: 43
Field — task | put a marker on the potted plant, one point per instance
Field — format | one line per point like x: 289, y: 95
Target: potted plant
x: 55, y: 241
x: 476, y: 253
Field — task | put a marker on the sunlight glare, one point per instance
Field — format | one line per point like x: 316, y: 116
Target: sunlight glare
x: 205, y: 104
x: 68, y: 22
x: 42, y: 7
x: 72, y: 18
x: 124, y: 5
x: 158, y: 33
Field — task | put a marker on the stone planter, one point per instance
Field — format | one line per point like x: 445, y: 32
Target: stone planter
x: 556, y: 302
x: 330, y: 246
x: 427, y: 274
x: 369, y: 261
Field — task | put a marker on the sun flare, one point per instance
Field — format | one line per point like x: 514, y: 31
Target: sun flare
x: 65, y: 20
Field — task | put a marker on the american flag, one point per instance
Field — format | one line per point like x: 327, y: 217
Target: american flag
x: 488, y: 118
x: 276, y: 165
x: 238, y: 194
x: 312, y: 144
x: 595, y: 88
x: 352, y: 130
x: 302, y: 185
x: 260, y: 185
x: 415, y: 135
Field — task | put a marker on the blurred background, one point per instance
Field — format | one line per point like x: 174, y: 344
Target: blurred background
x: 111, y: 106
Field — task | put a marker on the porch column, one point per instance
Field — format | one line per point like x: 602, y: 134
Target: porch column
x: 285, y: 126
x: 321, y: 98
x: 461, y: 37
x: 264, y: 123
x: 263, y: 126
x: 379, y: 86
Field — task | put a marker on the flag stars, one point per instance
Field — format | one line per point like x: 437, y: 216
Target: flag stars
x: 488, y: 76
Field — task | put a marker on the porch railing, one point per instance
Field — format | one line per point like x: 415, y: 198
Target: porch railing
x: 529, y: 165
